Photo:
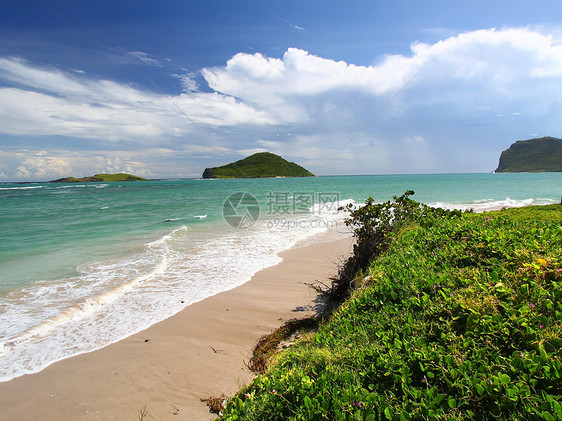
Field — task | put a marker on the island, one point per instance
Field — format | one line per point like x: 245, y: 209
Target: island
x: 100, y: 178
x: 533, y: 155
x: 258, y: 165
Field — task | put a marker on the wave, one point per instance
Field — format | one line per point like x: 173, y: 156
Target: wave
x: 483, y: 205
x: 71, y: 186
x: 21, y: 188
x: 82, y: 310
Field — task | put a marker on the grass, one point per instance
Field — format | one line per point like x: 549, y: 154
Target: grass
x: 267, y: 345
x: 458, y: 317
x: 143, y: 413
x: 532, y: 213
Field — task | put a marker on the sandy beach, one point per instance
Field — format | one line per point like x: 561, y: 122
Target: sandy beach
x: 196, y: 354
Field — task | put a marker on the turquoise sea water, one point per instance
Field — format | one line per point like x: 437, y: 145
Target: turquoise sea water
x: 84, y: 265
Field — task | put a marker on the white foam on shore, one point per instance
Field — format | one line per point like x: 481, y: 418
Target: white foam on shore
x: 483, y: 205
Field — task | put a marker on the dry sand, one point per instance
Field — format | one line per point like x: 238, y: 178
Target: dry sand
x: 196, y: 354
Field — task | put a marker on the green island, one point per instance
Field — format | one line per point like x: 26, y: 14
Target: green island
x: 258, y: 165
x: 534, y: 155
x: 437, y: 315
x: 100, y: 178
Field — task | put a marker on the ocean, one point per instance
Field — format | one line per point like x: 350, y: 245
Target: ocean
x: 84, y: 265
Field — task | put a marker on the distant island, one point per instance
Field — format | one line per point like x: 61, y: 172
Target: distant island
x: 100, y: 178
x: 534, y: 155
x: 258, y: 165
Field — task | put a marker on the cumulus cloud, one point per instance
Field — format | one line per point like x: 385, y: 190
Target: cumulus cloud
x: 499, y: 59
x: 28, y: 165
x: 23, y: 164
x: 268, y: 80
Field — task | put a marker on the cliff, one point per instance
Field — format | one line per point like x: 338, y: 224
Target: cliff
x: 534, y: 155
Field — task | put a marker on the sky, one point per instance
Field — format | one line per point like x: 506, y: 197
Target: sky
x: 166, y: 89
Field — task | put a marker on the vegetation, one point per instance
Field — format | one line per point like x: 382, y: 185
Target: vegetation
x: 258, y: 165
x: 451, y: 317
x: 100, y: 178
x: 534, y: 155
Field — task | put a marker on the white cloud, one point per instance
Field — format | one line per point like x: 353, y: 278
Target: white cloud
x: 47, y: 101
x: 28, y: 165
x: 40, y: 167
x: 267, y: 80
x: 188, y: 81
x: 499, y: 60
x: 145, y: 58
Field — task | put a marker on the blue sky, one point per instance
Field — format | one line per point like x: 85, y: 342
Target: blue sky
x: 166, y: 89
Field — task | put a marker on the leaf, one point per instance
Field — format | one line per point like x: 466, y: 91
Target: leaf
x: 479, y: 389
x: 452, y: 402
x: 547, y: 416
x: 387, y: 413
x: 439, y: 398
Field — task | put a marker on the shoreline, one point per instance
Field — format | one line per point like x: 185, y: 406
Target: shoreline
x: 198, y: 353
